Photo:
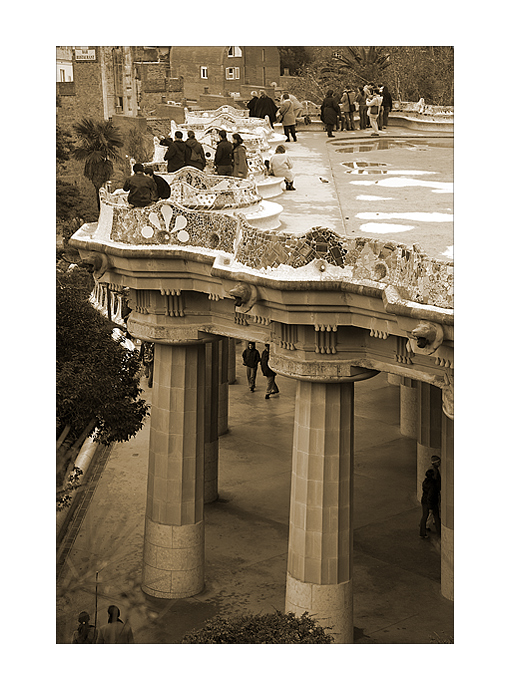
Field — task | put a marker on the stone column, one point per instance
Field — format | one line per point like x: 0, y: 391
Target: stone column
x: 408, y: 407
x: 212, y: 376
x: 394, y: 379
x: 447, y: 508
x: 232, y: 377
x: 319, y: 577
x: 429, y: 429
x: 223, y: 388
x: 173, y: 554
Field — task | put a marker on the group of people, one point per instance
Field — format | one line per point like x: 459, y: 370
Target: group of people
x: 145, y: 187
x: 180, y: 152
x: 251, y: 360
x: 373, y: 103
x: 114, y: 632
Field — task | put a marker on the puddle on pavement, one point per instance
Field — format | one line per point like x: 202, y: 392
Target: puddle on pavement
x: 364, y: 168
x: 386, y: 144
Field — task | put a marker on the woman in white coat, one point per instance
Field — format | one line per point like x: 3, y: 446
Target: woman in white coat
x: 280, y: 165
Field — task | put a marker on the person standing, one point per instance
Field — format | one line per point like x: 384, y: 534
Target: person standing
x: 253, y: 104
x: 115, y: 631
x: 387, y: 105
x: 142, y: 189
x: 251, y: 358
x: 239, y: 155
x: 272, y: 388
x: 329, y: 112
x: 223, y: 158
x: 195, y: 156
x: 162, y: 185
x: 374, y: 102
x: 288, y: 117
x: 280, y: 165
x: 429, y: 502
x: 362, y: 108
x: 176, y: 153
x: 435, y: 463
x: 85, y: 633
x: 266, y: 106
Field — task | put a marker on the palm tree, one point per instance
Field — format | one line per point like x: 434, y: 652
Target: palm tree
x: 366, y: 64
x: 99, y: 147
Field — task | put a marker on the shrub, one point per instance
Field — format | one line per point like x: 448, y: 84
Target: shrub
x: 268, y: 628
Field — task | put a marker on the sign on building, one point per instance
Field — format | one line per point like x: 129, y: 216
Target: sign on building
x: 85, y: 55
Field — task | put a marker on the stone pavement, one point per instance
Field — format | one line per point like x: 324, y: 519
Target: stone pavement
x: 396, y: 575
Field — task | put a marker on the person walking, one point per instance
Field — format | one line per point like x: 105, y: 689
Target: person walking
x: 280, y: 165
x: 176, y: 153
x: 435, y: 463
x: 223, y: 158
x: 195, y: 156
x: 429, y: 502
x: 239, y: 155
x: 85, y: 633
x: 374, y: 102
x: 272, y: 388
x: 288, y: 117
x: 115, y: 631
x: 251, y: 359
x: 266, y: 106
x: 329, y: 112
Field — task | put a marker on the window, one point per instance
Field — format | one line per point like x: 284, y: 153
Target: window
x: 232, y: 73
x: 235, y: 51
x: 62, y: 75
x: 203, y: 73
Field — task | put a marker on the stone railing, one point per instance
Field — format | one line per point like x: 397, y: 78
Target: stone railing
x: 191, y: 115
x: 194, y: 189
x: 420, y: 108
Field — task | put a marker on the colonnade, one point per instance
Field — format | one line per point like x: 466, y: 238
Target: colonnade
x: 190, y: 411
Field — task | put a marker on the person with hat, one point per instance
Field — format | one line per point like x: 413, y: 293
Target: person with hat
x: 85, y: 633
x: 115, y: 631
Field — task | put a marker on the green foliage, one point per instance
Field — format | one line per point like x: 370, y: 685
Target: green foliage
x: 292, y: 58
x: 269, y: 628
x: 96, y: 377
x: 360, y: 65
x: 64, y: 145
x: 139, y: 146
x: 70, y: 202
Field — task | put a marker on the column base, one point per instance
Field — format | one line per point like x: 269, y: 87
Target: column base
x: 330, y: 605
x: 173, y: 560
x: 447, y: 562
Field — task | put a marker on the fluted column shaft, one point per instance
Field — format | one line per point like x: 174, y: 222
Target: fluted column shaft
x: 173, y: 556
x: 447, y: 525
x: 232, y: 376
x: 223, y: 387
x: 319, y: 578
x: 408, y: 407
x: 212, y: 377
x: 428, y: 439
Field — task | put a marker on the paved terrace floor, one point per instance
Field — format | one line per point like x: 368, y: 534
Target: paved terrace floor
x: 396, y: 575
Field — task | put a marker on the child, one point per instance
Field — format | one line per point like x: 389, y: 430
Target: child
x: 281, y: 166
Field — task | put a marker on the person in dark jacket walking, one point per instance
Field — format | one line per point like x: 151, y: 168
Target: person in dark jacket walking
x: 223, y: 158
x: 142, y: 189
x: 195, y: 155
x: 162, y: 185
x: 429, y: 502
x: 251, y: 358
x: 272, y: 388
x: 266, y: 106
x: 329, y: 112
x: 252, y: 105
x: 176, y: 153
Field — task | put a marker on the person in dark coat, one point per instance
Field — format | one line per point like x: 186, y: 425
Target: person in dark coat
x: 387, y: 105
x: 223, y: 158
x: 85, y: 633
x: 272, y: 388
x: 142, y: 189
x: 329, y: 112
x: 176, y: 153
x: 239, y: 155
x: 115, y: 631
x: 251, y: 358
x: 195, y: 155
x: 429, y: 502
x: 266, y: 106
x: 161, y: 184
x: 252, y: 105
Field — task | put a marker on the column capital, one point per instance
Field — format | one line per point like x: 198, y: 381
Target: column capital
x: 320, y: 371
